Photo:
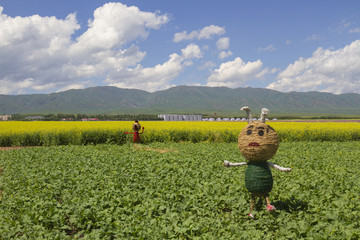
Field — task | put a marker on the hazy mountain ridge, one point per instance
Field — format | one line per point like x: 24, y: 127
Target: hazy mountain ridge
x: 180, y: 99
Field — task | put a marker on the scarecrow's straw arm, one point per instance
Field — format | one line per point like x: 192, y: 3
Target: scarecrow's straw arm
x: 229, y: 164
x: 277, y: 167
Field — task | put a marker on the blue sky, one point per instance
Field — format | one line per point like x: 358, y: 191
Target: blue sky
x: 49, y: 46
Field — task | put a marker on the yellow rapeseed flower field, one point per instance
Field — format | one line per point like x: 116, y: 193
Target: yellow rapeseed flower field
x: 18, y: 133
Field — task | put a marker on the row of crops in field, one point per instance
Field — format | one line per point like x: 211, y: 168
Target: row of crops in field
x: 84, y: 133
x: 176, y: 191
x: 91, y: 182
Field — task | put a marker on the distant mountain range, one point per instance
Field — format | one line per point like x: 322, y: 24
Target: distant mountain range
x: 181, y: 100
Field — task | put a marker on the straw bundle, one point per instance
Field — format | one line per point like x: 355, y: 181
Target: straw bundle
x: 136, y: 127
x: 258, y: 142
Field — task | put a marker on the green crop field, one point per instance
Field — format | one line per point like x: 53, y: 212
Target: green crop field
x: 176, y: 191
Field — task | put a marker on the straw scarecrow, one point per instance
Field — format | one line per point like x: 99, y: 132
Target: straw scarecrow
x: 258, y: 142
x: 136, y: 128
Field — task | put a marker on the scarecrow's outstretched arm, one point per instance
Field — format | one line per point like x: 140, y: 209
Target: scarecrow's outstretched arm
x: 229, y: 164
x: 279, y: 168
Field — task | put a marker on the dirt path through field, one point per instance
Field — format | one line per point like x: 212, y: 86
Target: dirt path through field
x: 160, y: 150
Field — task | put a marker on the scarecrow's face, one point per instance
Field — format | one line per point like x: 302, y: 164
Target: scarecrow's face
x: 258, y: 142
x: 136, y: 127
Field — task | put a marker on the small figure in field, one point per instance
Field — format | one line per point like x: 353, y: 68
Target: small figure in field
x: 136, y: 127
x: 258, y: 142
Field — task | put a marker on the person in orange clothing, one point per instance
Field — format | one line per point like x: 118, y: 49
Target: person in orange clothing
x: 136, y: 127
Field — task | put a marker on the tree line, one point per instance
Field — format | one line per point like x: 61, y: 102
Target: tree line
x: 81, y: 117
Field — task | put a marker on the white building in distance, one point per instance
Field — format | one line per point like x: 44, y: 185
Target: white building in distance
x: 5, y: 117
x: 176, y: 117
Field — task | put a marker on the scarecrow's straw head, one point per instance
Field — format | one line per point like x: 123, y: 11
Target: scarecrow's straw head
x: 258, y: 141
x: 136, y: 126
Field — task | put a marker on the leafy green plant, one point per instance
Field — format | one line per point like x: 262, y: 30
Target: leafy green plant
x: 176, y: 191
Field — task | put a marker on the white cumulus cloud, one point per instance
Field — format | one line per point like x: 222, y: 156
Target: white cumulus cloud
x: 39, y: 53
x: 72, y: 86
x: 155, y: 78
x: 225, y: 54
x: 335, y: 71
x: 223, y: 43
x: 237, y: 73
x: 192, y: 51
x: 269, y: 48
x: 205, y: 33
x: 115, y: 25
